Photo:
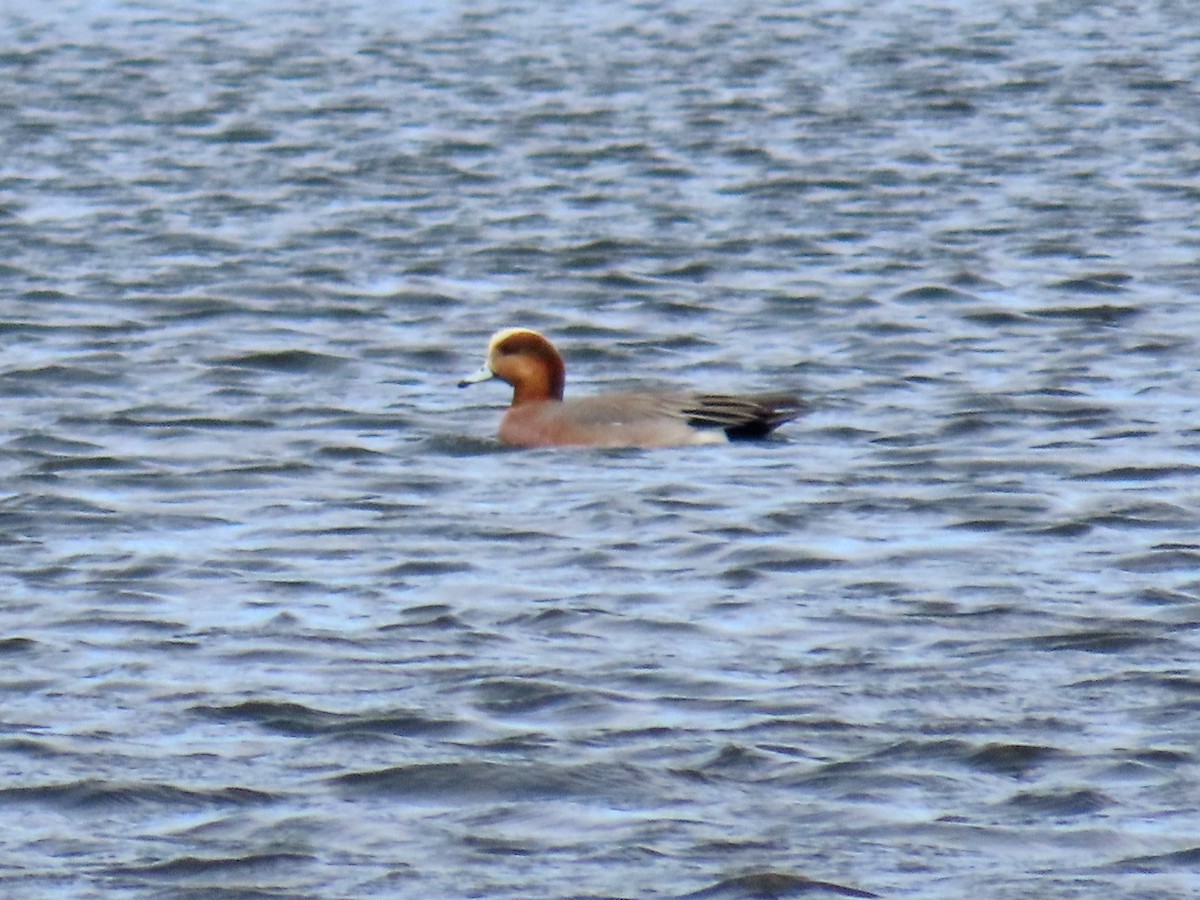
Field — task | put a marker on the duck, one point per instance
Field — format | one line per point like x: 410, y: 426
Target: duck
x: 539, y: 416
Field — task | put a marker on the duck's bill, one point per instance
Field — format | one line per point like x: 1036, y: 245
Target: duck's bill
x: 482, y: 375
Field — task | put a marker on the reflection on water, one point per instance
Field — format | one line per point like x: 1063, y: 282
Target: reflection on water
x: 280, y: 616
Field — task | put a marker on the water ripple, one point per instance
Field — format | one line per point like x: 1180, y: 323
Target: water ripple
x: 281, y: 617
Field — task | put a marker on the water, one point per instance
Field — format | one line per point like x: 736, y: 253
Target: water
x: 278, y: 618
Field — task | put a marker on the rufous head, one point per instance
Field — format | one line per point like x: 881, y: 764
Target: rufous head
x: 528, y: 361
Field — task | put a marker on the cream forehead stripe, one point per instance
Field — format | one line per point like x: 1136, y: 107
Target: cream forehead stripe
x: 503, y: 335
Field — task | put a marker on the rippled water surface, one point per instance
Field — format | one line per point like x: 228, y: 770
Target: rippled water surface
x: 279, y: 617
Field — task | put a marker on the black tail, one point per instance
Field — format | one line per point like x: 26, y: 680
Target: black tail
x: 744, y: 416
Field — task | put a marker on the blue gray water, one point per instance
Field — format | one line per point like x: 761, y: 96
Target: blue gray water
x: 279, y: 618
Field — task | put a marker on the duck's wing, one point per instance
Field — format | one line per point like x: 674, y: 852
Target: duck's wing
x: 650, y: 419
x: 742, y: 415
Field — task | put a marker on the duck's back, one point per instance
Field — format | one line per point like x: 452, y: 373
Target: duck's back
x: 647, y: 419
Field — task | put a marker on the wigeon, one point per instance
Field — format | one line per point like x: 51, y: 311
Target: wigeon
x: 540, y: 417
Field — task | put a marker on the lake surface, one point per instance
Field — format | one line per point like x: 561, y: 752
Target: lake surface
x: 280, y: 618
